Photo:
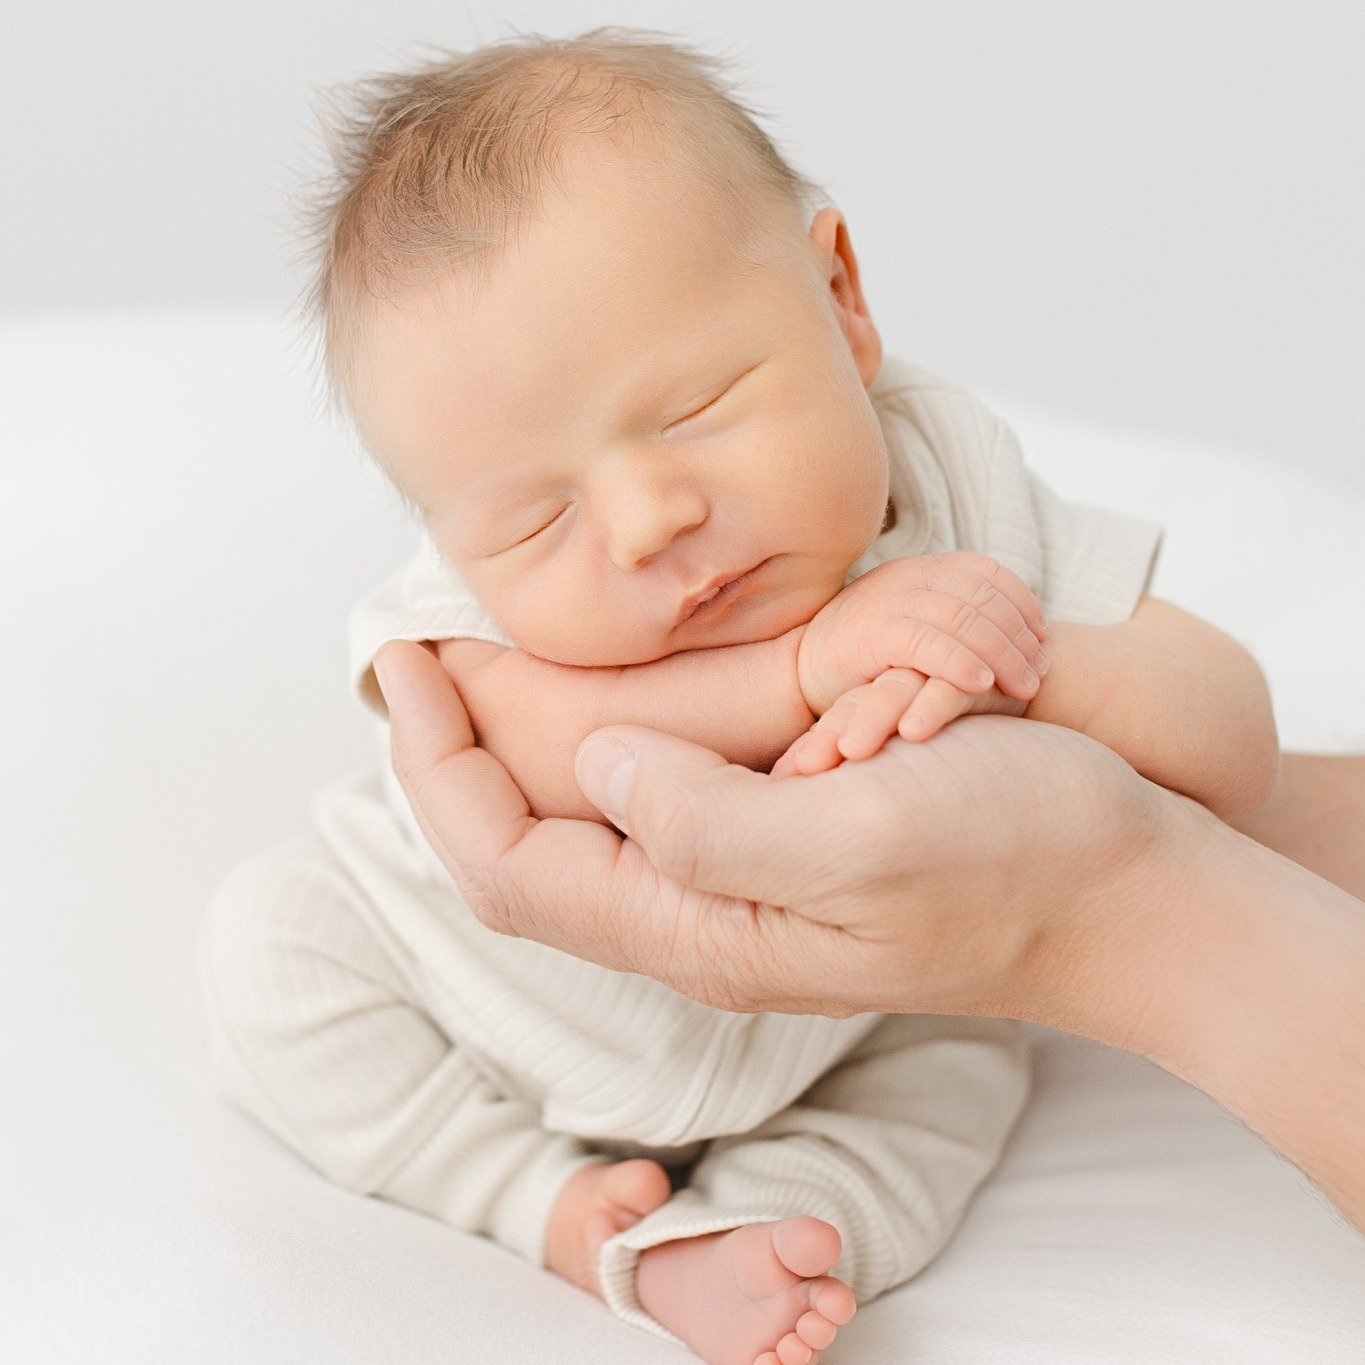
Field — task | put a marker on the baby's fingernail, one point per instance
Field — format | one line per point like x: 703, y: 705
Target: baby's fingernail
x: 984, y: 675
x: 913, y: 725
x: 1042, y: 663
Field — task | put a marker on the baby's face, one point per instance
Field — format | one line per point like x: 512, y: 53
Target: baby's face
x: 626, y: 411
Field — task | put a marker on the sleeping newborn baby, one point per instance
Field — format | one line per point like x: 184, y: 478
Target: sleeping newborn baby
x: 596, y: 333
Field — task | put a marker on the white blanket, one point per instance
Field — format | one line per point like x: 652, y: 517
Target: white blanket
x: 181, y: 540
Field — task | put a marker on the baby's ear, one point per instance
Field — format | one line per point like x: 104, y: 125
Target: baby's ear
x: 839, y: 262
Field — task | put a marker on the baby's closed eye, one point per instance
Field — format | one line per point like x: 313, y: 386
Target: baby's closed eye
x: 543, y: 527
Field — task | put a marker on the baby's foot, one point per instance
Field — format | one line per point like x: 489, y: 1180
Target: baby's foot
x: 596, y: 1203
x: 757, y: 1295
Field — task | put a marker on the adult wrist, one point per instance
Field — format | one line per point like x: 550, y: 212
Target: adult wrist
x: 1111, y: 965
x: 1238, y: 971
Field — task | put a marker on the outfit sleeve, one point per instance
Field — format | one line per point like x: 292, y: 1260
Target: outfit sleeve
x: 1084, y: 563
x: 314, y: 1035
x: 424, y: 600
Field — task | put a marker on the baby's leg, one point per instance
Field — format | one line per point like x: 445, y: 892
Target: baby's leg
x: 1316, y: 816
x: 316, y: 1032
x: 853, y: 1188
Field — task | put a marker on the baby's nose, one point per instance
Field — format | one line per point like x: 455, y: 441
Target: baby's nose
x: 643, y: 522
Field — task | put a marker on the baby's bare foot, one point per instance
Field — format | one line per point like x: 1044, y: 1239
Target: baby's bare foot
x: 757, y: 1295
x: 596, y: 1203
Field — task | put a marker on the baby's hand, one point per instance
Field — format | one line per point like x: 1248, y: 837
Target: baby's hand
x: 900, y: 701
x: 961, y: 619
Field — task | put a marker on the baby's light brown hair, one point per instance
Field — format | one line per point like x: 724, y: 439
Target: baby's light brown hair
x: 435, y: 166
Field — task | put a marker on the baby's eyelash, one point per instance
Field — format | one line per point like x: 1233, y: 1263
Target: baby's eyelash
x: 534, y: 534
x: 697, y: 412
x: 729, y: 388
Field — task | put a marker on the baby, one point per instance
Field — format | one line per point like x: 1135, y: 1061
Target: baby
x: 584, y: 316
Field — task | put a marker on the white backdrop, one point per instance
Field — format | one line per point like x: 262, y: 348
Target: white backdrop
x: 1147, y: 215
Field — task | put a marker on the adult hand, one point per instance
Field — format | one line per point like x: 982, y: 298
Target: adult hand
x: 1004, y: 867
x: 957, y: 875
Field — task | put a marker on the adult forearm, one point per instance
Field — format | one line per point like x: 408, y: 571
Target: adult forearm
x: 1241, y: 972
x: 1316, y: 816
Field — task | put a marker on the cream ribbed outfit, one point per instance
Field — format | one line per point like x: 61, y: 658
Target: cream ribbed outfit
x: 360, y: 1012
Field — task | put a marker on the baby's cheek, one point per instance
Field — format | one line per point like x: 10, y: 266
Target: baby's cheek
x: 583, y: 630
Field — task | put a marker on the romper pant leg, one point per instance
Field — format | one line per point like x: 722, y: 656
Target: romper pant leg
x: 889, y: 1146
x: 315, y: 1033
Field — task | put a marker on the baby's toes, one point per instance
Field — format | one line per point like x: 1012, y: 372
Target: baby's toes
x: 601, y: 1226
x: 816, y: 1330
x: 639, y: 1186
x: 834, y: 1300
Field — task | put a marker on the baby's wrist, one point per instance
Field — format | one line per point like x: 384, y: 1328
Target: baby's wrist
x: 816, y: 694
x: 800, y: 667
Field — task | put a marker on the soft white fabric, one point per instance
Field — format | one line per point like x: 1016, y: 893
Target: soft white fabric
x: 182, y: 541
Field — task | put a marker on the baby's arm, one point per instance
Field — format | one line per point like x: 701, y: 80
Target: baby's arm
x: 743, y: 701
x: 962, y: 620
x: 1184, y: 703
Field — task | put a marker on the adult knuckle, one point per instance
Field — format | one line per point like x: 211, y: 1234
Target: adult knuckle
x: 678, y: 835
x: 735, y: 973
x: 490, y: 890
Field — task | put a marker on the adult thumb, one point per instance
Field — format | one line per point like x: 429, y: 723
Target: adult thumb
x: 707, y: 823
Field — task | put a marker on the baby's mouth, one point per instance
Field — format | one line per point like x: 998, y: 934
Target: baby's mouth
x: 713, y: 600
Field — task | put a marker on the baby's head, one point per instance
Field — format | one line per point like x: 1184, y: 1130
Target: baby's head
x: 577, y: 306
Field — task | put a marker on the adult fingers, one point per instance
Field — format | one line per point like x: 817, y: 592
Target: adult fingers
x: 464, y: 800
x: 602, y: 898
x: 571, y: 884
x: 706, y: 823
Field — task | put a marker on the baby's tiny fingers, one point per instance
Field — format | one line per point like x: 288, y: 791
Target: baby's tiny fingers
x: 819, y: 751
x: 1009, y: 583
x: 990, y: 627
x: 937, y: 703
x: 919, y: 646
x: 879, y: 706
